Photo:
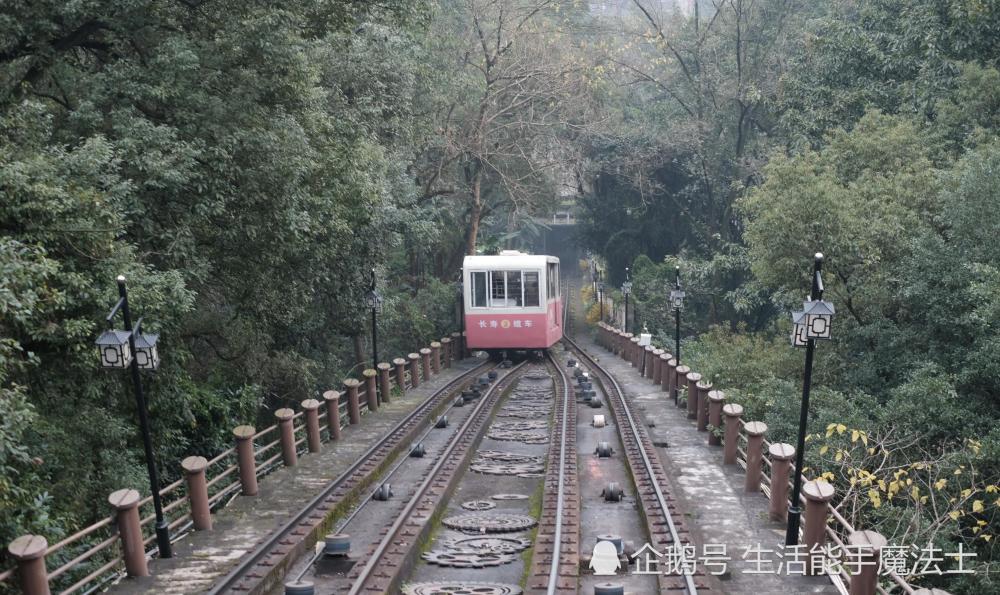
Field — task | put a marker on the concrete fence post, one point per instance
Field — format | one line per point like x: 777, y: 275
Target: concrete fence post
x: 332, y: 399
x: 693, y: 378
x: 414, y: 359
x: 245, y: 459
x: 647, y: 364
x: 371, y: 395
x: 781, y: 466
x: 456, y: 346
x: 126, y: 505
x: 286, y: 433
x: 704, y: 387
x: 435, y: 357
x: 400, y: 365
x: 29, y: 552
x: 818, y: 494
x: 670, y: 381
x: 384, y: 386
x: 625, y: 346
x: 680, y: 384
x: 353, y: 407
x: 664, y: 370
x: 864, y: 578
x: 657, y: 366
x: 446, y: 348
x: 755, y: 455
x: 716, y: 399
x: 197, y: 488
x: 311, y: 409
x: 730, y: 447
x: 425, y: 363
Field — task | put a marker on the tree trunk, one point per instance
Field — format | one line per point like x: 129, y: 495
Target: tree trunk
x: 472, y: 234
x: 359, y: 356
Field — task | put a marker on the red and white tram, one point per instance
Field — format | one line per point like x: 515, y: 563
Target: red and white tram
x: 512, y: 301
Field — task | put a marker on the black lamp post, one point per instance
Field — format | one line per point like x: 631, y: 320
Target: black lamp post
x: 812, y: 323
x: 677, y: 301
x: 130, y: 348
x: 593, y: 275
x: 626, y: 290
x: 375, y: 303
x: 600, y: 290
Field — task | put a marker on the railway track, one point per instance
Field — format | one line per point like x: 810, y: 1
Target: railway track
x: 263, y: 568
x: 657, y: 506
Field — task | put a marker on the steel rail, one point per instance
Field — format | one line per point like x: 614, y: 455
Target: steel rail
x: 557, y: 538
x: 387, y: 539
x: 276, y: 536
x: 691, y: 588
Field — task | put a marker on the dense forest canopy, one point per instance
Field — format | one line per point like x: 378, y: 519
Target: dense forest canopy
x: 245, y: 164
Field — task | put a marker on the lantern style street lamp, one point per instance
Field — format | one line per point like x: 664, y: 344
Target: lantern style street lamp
x: 626, y: 290
x: 374, y: 302
x: 812, y: 323
x: 130, y: 348
x: 600, y: 291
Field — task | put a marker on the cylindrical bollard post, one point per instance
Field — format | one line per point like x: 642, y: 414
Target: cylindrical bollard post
x: 456, y: 346
x: 704, y: 387
x: 245, y: 459
x: 664, y: 370
x: 657, y: 363
x: 624, y: 349
x: 693, y: 378
x: 332, y: 399
x: 384, y: 386
x: 286, y: 433
x: 781, y: 456
x: 311, y: 409
x: 371, y: 395
x: 716, y: 399
x: 425, y: 364
x: 755, y: 455
x: 730, y: 447
x: 647, y: 366
x: 671, y: 380
x: 863, y: 568
x: 197, y: 487
x: 29, y: 552
x: 818, y: 494
x: 414, y: 369
x: 636, y: 354
x: 435, y: 357
x: 353, y: 407
x: 446, y: 349
x: 400, y: 370
x: 680, y: 385
x: 126, y: 503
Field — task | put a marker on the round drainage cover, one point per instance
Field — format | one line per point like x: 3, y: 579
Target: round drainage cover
x: 509, y: 496
x: 479, y: 505
x: 494, y: 545
x: 461, y: 588
x: 495, y: 522
x: 469, y: 559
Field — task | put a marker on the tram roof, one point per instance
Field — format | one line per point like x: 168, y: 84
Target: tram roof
x: 507, y: 259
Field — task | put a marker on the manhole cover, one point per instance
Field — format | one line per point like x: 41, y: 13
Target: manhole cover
x: 479, y: 505
x: 495, y: 545
x: 461, y: 588
x: 509, y: 496
x: 490, y: 522
x: 467, y: 559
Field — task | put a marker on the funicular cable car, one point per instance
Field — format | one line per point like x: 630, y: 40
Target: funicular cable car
x: 512, y: 301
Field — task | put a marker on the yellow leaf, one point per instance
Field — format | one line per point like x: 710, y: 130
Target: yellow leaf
x: 923, y: 499
x: 939, y: 484
x: 823, y: 449
x: 981, y: 523
x: 977, y: 506
x: 840, y: 455
x: 975, y: 530
x: 986, y: 537
x: 855, y: 435
x: 864, y: 438
x: 831, y: 426
x: 991, y: 488
x: 841, y: 428
x: 966, y: 492
x: 955, y: 514
x: 958, y: 471
x: 871, y: 451
x: 915, y: 493
x: 875, y: 498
